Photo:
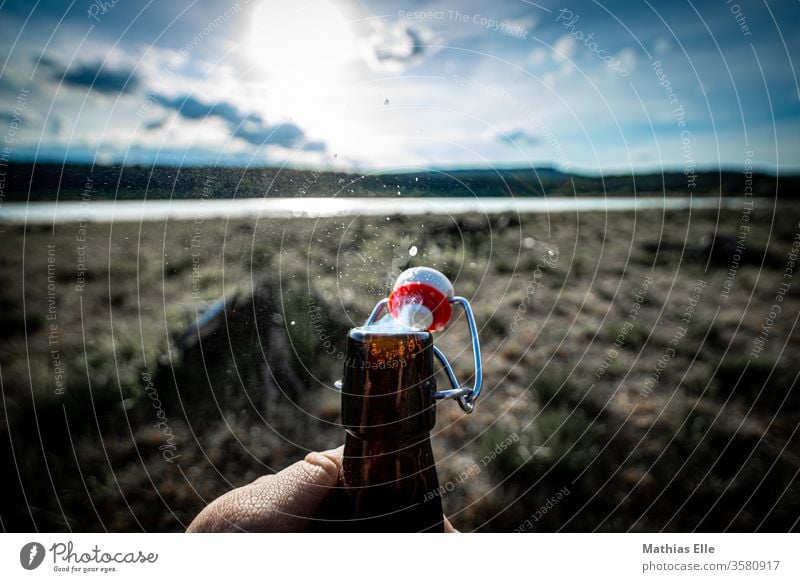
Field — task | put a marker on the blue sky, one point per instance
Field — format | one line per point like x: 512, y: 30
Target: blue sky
x: 583, y: 86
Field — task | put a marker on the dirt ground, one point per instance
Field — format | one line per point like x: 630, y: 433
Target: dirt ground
x: 638, y: 367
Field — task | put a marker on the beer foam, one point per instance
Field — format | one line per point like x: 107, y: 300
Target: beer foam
x: 411, y: 317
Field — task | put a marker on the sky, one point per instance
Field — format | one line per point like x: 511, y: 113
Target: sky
x: 597, y: 87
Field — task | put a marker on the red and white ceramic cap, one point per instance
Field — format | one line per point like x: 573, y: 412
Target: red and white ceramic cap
x: 421, y: 298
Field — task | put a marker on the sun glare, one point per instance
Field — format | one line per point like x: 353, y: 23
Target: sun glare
x: 300, y: 39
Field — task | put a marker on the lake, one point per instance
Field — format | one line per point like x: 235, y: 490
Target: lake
x: 147, y: 210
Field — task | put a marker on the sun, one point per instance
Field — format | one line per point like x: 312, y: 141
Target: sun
x: 296, y: 40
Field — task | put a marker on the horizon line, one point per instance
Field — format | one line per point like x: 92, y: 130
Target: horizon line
x: 406, y: 169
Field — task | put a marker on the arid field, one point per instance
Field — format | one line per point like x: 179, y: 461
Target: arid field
x: 640, y: 369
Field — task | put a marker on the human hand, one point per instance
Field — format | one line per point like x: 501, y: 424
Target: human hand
x: 287, y: 501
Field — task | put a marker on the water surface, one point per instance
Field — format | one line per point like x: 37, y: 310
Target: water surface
x: 149, y: 210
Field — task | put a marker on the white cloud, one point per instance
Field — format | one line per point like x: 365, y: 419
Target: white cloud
x: 662, y: 45
x: 538, y: 56
x: 396, y: 47
x: 628, y: 58
x: 565, y: 47
x: 526, y: 22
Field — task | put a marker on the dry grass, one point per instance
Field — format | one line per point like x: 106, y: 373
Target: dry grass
x: 710, y: 447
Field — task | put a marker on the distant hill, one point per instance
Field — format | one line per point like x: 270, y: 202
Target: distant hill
x: 51, y: 181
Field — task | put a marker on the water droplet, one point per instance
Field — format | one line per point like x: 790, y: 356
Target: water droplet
x: 292, y: 323
x: 413, y: 251
x: 386, y: 102
x: 529, y: 242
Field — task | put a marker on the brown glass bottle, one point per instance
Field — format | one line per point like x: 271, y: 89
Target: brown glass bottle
x: 389, y: 474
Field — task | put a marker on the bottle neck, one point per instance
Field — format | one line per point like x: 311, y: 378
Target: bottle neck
x: 388, y: 385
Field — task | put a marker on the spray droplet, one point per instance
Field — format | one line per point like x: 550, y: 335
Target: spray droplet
x: 529, y: 242
x: 413, y: 251
x: 292, y: 323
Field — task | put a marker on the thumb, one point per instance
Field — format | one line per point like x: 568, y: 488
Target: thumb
x: 281, y: 502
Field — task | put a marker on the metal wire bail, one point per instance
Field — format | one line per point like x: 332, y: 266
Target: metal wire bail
x: 466, y: 396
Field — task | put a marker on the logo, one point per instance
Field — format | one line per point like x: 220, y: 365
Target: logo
x: 31, y: 555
